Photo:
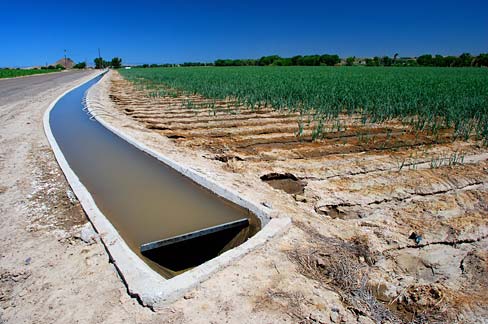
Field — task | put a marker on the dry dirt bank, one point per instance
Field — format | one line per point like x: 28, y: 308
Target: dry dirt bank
x: 47, y: 273
x: 384, y: 228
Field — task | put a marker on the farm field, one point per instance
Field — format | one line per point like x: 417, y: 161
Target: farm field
x: 435, y: 99
x: 383, y: 171
x: 11, y: 73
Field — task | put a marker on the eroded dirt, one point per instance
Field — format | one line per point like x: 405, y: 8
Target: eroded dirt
x: 356, y: 193
x: 286, y: 182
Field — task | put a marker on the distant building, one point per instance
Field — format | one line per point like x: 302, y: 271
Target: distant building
x: 66, y: 63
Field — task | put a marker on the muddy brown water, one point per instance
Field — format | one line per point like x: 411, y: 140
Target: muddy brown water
x: 143, y: 198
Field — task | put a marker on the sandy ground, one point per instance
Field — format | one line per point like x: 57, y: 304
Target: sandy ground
x: 347, y: 258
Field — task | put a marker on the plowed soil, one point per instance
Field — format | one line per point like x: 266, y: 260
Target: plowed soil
x: 392, y: 222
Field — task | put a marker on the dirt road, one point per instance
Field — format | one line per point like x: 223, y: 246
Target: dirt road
x: 12, y: 90
x: 47, y: 275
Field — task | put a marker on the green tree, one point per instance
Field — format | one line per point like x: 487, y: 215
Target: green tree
x: 99, y: 63
x: 438, y: 60
x: 80, y: 65
x: 329, y: 60
x: 350, y: 60
x: 295, y: 60
x: 116, y: 63
x: 386, y: 61
x: 464, y: 59
x: 449, y: 60
x: 310, y: 60
x: 268, y: 60
x: 283, y: 62
x: 369, y: 62
x: 481, y: 60
x: 219, y: 62
x: 425, y: 60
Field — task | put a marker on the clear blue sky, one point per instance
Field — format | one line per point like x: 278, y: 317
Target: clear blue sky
x: 36, y: 32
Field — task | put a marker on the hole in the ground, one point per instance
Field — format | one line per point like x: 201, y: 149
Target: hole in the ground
x: 156, y: 127
x: 331, y: 211
x: 227, y: 158
x: 174, y: 136
x: 286, y: 182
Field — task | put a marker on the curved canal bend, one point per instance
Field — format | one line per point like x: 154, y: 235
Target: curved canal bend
x: 143, y: 198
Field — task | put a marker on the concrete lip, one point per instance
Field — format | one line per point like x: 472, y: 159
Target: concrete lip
x: 143, y: 283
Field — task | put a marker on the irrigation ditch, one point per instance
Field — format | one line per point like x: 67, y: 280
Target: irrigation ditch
x: 136, y: 198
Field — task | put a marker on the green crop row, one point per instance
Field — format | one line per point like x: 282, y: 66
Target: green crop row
x: 12, y: 73
x: 426, y: 98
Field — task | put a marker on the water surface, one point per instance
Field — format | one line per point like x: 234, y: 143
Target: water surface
x: 143, y: 198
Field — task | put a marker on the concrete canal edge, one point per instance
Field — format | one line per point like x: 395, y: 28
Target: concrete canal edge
x: 142, y: 282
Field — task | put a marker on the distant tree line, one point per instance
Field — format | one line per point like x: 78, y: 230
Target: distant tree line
x: 194, y: 64
x: 115, y: 63
x: 48, y: 67
x: 80, y: 65
x: 155, y: 65
x: 173, y: 65
x: 306, y: 60
x: 53, y: 67
x: 310, y: 60
x: 463, y: 60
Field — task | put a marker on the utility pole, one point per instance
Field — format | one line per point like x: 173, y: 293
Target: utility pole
x: 65, y: 63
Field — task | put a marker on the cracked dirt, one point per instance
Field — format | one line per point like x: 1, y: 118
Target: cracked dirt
x: 416, y: 202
